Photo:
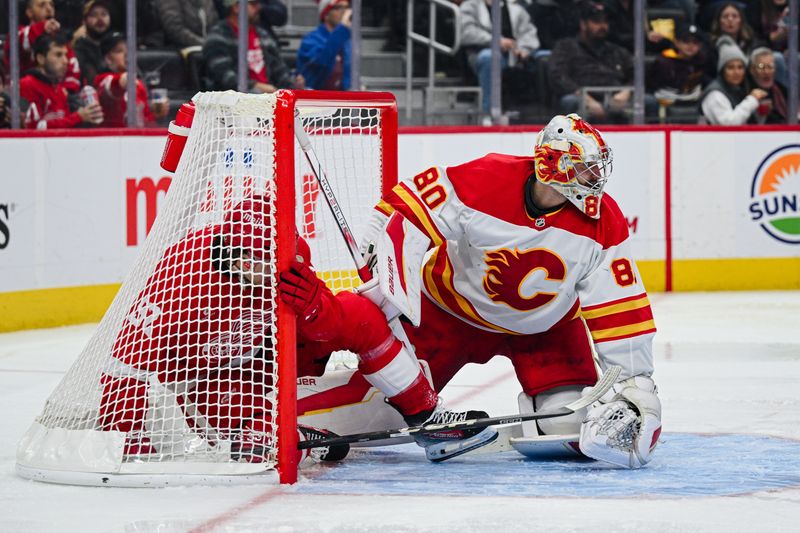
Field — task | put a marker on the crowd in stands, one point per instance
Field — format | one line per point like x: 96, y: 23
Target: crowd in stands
x: 710, y: 61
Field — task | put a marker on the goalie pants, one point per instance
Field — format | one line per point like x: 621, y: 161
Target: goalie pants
x: 558, y: 357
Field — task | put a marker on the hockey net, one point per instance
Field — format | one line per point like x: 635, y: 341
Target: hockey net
x: 191, y: 374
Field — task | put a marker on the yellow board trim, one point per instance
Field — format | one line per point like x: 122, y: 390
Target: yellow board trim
x: 653, y: 275
x: 49, y: 308
x: 616, y: 308
x: 758, y: 274
x: 609, y: 333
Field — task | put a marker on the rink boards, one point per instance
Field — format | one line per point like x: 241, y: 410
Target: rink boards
x: 708, y: 208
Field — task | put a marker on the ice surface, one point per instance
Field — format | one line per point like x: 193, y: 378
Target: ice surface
x: 728, y: 369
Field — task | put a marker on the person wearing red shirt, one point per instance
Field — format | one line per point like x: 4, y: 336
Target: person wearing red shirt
x: 41, y: 15
x: 43, y: 93
x: 267, y: 72
x: 112, y: 87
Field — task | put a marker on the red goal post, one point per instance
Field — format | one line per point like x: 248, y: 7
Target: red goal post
x: 166, y: 390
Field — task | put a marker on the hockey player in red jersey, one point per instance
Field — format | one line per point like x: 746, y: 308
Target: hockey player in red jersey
x: 522, y: 249
x: 203, y: 320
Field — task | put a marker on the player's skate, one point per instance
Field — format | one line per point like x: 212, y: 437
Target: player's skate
x: 449, y: 443
x: 328, y: 454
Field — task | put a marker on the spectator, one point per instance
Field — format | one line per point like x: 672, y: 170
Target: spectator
x: 620, y: 21
x: 112, y: 87
x: 518, y: 40
x: 773, y: 109
x: 42, y: 91
x: 770, y: 21
x: 5, y: 112
x: 41, y: 17
x: 97, y: 24
x: 591, y: 60
x: 324, y: 55
x: 730, y: 21
x: 186, y: 22
x: 273, y: 14
x: 681, y: 72
x: 554, y: 20
x: 70, y: 14
x: 726, y: 101
x: 266, y: 70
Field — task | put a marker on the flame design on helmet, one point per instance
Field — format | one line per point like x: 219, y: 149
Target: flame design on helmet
x: 571, y: 156
x: 508, y: 269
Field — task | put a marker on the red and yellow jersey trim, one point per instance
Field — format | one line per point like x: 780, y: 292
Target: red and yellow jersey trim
x: 620, y: 319
x: 417, y: 213
x: 384, y: 207
x: 438, y: 279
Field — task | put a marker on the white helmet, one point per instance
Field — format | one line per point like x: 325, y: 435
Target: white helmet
x: 573, y: 158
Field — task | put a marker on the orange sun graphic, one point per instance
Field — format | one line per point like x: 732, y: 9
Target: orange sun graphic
x: 776, y: 172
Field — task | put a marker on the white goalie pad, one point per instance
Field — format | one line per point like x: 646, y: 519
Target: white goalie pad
x: 400, y: 250
x: 548, y: 447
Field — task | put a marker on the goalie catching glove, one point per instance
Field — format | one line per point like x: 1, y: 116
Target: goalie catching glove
x: 623, y: 427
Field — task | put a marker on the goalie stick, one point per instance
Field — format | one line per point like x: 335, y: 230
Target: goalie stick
x: 319, y: 173
x: 602, y: 386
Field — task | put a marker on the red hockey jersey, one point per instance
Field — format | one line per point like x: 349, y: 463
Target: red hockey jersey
x: 27, y: 35
x: 114, y: 100
x: 45, y: 104
x: 191, y: 318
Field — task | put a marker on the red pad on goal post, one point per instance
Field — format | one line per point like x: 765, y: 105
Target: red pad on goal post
x: 190, y: 378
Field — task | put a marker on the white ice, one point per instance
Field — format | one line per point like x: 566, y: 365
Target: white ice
x: 728, y: 368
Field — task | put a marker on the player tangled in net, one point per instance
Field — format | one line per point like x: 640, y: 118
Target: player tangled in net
x: 197, y: 335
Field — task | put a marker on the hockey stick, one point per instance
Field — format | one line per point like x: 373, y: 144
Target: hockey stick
x: 592, y: 395
x: 316, y: 167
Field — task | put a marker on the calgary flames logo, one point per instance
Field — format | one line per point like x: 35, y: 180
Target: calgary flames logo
x: 508, y: 270
x: 551, y: 166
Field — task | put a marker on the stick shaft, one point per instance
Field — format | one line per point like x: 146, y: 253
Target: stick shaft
x: 327, y: 191
x: 591, y: 396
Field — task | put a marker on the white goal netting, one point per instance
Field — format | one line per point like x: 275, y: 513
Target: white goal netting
x: 181, y: 378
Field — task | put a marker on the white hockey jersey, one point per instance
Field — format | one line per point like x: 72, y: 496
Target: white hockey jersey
x: 500, y: 269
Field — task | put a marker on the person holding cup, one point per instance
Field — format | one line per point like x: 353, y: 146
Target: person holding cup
x: 773, y: 108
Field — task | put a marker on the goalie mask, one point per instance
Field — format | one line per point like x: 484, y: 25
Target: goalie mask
x: 572, y: 157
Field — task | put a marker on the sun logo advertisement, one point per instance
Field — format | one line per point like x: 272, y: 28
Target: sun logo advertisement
x: 775, y: 194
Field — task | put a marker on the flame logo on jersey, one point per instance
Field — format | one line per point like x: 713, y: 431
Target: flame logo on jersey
x: 508, y: 270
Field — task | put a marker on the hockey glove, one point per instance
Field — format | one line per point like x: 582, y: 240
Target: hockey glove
x: 301, y: 289
x: 624, y: 426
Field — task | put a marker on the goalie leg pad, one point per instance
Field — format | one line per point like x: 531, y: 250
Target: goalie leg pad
x: 554, y: 398
x: 549, y: 438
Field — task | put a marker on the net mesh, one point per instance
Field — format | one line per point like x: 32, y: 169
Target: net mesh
x: 182, y: 369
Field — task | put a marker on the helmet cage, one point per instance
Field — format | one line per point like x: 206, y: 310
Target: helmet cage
x: 575, y: 163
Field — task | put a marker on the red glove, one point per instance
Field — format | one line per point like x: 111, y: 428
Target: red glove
x: 300, y: 288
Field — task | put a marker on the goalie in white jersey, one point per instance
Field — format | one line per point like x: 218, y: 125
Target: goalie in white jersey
x: 522, y: 248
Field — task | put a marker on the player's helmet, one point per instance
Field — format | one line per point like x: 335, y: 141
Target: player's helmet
x: 572, y: 157
x: 247, y: 227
